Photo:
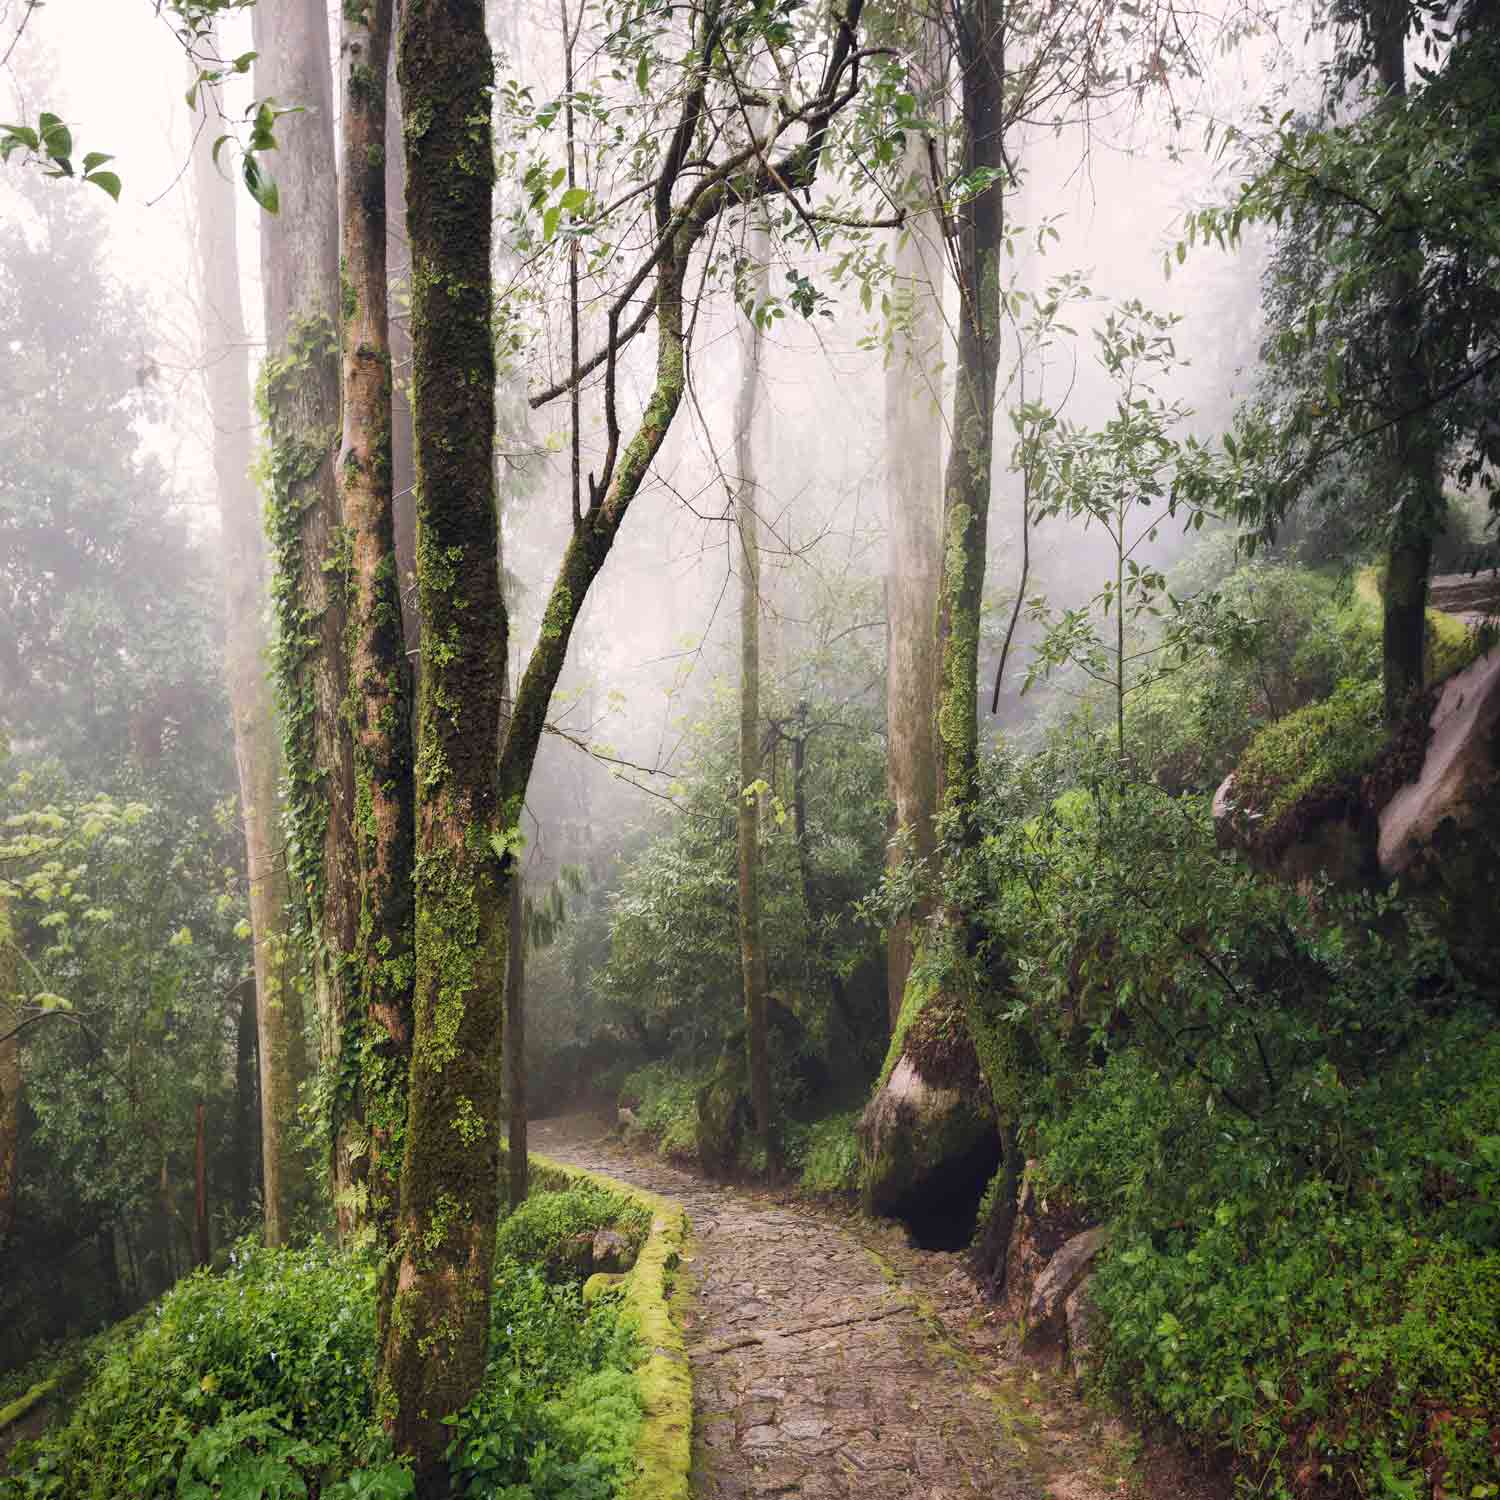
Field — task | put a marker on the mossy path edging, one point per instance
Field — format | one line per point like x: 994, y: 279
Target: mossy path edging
x: 664, y: 1448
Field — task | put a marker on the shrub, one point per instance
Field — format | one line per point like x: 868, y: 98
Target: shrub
x: 826, y: 1152
x: 664, y: 1097
x: 545, y: 1230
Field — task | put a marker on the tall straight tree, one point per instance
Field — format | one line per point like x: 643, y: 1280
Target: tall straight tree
x: 226, y: 375
x: 10, y: 1072
x: 1414, y: 444
x: 914, y: 454
x: 300, y: 278
x: 747, y: 522
x: 379, y: 675
x: 437, y: 1325
x: 468, y: 820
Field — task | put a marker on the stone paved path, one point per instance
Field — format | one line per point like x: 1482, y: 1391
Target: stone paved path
x: 816, y: 1372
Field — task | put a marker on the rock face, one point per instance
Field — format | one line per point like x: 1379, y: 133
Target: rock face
x: 1459, y: 777
x: 1060, y: 1279
x: 925, y: 1147
x: 1473, y: 598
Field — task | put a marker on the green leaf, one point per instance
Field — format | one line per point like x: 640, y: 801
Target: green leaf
x: 109, y: 181
x: 549, y: 221
x: 574, y: 199
x: 95, y: 159
x: 643, y: 71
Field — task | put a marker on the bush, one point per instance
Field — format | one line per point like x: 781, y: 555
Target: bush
x: 274, y: 1359
x: 545, y: 1231
x: 258, y: 1382
x: 559, y: 1411
x: 664, y: 1098
x: 826, y: 1153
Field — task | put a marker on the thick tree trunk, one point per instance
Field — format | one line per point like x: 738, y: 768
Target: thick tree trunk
x: 278, y: 1004
x: 300, y: 276
x: 434, y: 1352
x: 752, y: 953
x: 913, y: 391
x: 10, y: 1077
x: 379, y: 677
x: 1415, y: 461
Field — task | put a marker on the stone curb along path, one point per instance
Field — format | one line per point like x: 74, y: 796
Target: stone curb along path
x: 815, y: 1373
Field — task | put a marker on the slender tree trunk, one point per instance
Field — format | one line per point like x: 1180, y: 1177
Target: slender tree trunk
x: 379, y: 677
x: 10, y: 1077
x: 202, y: 1251
x: 300, y: 276
x: 434, y: 1352
x: 966, y: 489
x: 277, y: 1001
x: 752, y: 952
x: 914, y: 458
x: 398, y: 280
x: 246, y: 1106
x: 1415, y: 456
x: 515, y: 1045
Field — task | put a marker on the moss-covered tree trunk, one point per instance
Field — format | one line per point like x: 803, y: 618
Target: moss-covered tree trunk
x: 433, y: 1356
x: 747, y: 811
x: 914, y: 444
x: 278, y: 1006
x: 379, y: 676
x: 300, y: 280
x: 1415, y: 457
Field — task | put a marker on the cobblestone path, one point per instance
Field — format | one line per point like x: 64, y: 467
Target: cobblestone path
x: 816, y: 1372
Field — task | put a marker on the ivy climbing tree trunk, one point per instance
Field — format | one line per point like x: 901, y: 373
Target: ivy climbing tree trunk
x: 300, y: 278
x: 277, y: 1002
x: 914, y: 499
x: 747, y: 524
x: 433, y: 1355
x: 1415, y: 455
x: 379, y: 676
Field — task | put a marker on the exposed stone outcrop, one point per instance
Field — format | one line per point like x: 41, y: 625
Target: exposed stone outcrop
x: 924, y: 1146
x: 1060, y: 1278
x: 1459, y: 774
x: 1472, y: 597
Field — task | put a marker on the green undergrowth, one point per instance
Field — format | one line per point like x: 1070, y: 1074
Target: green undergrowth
x: 553, y: 1229
x: 825, y: 1153
x: 663, y: 1096
x: 1317, y: 752
x: 257, y: 1382
x: 1329, y: 1315
x: 651, y: 1294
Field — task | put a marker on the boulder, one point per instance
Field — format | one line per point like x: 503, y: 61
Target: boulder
x: 611, y: 1251
x: 925, y: 1147
x: 1459, y: 774
x: 1047, y: 1308
x: 625, y: 1118
x: 1082, y: 1318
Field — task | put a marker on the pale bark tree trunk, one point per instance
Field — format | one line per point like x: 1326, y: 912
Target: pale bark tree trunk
x: 10, y: 1077
x: 752, y: 952
x: 433, y: 1357
x: 379, y: 677
x: 278, y: 1005
x: 515, y: 1044
x: 300, y: 275
x: 914, y: 456
x: 202, y: 1251
x: 1415, y: 456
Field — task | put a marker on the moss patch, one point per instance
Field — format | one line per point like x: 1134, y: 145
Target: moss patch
x: 23, y: 1404
x: 653, y: 1291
